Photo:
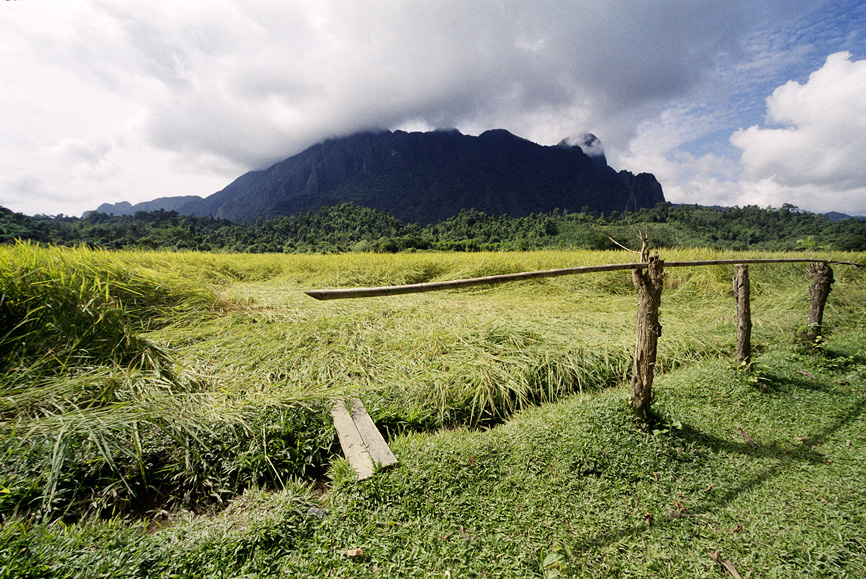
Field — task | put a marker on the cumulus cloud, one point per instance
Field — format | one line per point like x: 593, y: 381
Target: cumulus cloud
x: 820, y: 130
x: 812, y: 149
x: 808, y: 151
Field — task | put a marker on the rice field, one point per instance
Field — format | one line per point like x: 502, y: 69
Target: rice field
x: 137, y: 382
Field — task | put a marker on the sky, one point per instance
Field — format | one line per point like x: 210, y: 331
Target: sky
x: 727, y: 102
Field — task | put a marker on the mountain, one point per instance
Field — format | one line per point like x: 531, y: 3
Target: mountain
x: 167, y: 203
x: 429, y: 177
x: 836, y: 216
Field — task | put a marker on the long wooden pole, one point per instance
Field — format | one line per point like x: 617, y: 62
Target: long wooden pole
x: 370, y: 292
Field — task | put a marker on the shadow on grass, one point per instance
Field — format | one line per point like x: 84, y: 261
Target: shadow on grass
x: 773, y: 450
x: 773, y: 383
x: 842, y: 354
x: 783, y: 458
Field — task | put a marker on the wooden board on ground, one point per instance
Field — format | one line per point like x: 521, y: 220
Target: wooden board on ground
x: 351, y: 441
x: 361, y: 441
x: 379, y: 450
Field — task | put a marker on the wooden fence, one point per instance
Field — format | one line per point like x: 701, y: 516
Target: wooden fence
x: 649, y: 285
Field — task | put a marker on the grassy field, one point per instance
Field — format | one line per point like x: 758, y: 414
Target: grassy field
x: 166, y: 414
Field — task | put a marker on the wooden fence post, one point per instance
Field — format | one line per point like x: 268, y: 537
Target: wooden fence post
x: 822, y: 278
x: 744, y: 315
x: 649, y: 288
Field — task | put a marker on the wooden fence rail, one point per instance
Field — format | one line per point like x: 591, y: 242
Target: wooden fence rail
x: 371, y: 292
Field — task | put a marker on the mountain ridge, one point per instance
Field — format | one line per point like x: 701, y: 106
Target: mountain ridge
x: 428, y: 177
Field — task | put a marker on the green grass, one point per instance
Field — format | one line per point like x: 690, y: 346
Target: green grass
x: 573, y: 479
x: 577, y: 478
x: 505, y: 405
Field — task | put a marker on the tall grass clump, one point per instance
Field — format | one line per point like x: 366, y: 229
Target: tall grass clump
x: 156, y: 452
x: 66, y: 308
x: 95, y: 417
x: 483, y: 378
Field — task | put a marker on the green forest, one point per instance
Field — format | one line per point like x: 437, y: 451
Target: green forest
x: 348, y: 227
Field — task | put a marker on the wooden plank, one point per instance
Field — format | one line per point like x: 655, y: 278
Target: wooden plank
x: 350, y: 439
x: 379, y: 450
x: 336, y: 294
x: 369, y: 292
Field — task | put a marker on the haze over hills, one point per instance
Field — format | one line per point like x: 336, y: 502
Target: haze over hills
x: 426, y: 178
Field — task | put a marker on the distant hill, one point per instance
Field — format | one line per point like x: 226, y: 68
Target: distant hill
x: 836, y: 216
x: 166, y: 203
x: 428, y: 177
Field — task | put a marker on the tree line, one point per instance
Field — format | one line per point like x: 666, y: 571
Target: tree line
x: 348, y: 227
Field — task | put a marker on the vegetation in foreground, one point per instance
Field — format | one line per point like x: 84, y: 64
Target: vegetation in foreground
x: 196, y: 445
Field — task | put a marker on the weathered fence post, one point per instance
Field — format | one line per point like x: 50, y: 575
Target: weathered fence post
x: 649, y: 289
x: 744, y: 315
x: 822, y: 278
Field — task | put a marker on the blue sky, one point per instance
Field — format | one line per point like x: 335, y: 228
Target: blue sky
x: 777, y: 53
x: 728, y: 102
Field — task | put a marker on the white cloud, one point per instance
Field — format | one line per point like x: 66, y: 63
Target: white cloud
x: 812, y: 154
x: 821, y: 137
x: 808, y: 153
